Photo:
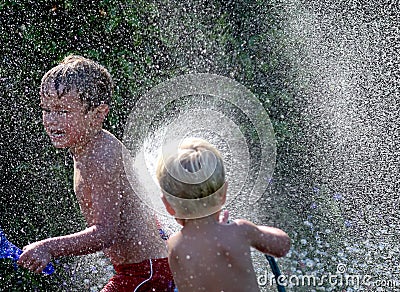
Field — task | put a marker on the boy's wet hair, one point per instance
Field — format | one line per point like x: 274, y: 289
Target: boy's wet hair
x: 91, y: 81
x: 195, y: 171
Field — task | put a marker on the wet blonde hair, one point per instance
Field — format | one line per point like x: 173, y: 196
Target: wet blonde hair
x: 193, y: 170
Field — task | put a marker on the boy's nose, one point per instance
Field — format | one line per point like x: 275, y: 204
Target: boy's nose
x: 49, y: 119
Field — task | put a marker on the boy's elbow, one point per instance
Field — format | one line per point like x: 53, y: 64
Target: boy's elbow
x: 106, y: 235
x: 284, y: 246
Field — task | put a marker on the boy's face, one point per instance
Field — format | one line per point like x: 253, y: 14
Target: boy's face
x: 65, y: 119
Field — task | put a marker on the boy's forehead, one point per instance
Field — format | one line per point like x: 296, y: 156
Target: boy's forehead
x: 69, y: 99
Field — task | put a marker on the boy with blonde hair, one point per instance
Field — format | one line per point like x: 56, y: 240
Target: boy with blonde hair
x: 75, y: 98
x: 207, y: 255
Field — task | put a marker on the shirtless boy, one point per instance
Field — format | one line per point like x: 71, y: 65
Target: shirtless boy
x: 75, y: 98
x: 206, y: 255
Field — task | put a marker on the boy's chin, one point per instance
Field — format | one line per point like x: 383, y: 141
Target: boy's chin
x: 59, y: 145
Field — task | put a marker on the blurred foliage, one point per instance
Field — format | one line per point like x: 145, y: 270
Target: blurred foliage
x: 141, y: 43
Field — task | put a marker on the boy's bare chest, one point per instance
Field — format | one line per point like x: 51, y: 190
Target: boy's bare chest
x: 82, y: 191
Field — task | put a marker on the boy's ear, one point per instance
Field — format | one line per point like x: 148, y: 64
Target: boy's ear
x: 167, y: 205
x: 99, y: 114
x: 224, y: 190
x: 102, y: 111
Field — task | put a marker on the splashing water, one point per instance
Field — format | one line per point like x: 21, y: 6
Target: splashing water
x: 343, y: 69
x: 204, y: 113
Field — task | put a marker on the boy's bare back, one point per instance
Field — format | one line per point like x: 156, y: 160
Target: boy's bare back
x: 107, y: 201
x: 209, y: 256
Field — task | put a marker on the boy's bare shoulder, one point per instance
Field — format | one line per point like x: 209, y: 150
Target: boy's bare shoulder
x: 105, y: 155
x: 243, y: 224
x: 243, y: 227
x: 107, y: 148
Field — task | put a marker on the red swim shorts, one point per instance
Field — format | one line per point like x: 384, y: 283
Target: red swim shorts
x: 149, y: 275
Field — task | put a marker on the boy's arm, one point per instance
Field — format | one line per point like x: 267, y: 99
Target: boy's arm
x: 103, y: 223
x: 173, y: 260
x: 270, y: 240
x: 37, y: 255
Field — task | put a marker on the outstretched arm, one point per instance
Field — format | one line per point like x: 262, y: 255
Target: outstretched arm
x: 37, y: 255
x: 269, y: 240
x: 102, y: 212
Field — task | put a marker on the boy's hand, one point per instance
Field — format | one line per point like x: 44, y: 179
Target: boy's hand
x: 35, y: 257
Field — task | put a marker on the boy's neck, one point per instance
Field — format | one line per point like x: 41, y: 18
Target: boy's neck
x: 200, y: 222
x: 80, y: 150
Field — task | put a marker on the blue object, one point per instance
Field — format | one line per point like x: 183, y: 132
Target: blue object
x: 10, y: 251
x: 275, y: 271
x: 163, y: 234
